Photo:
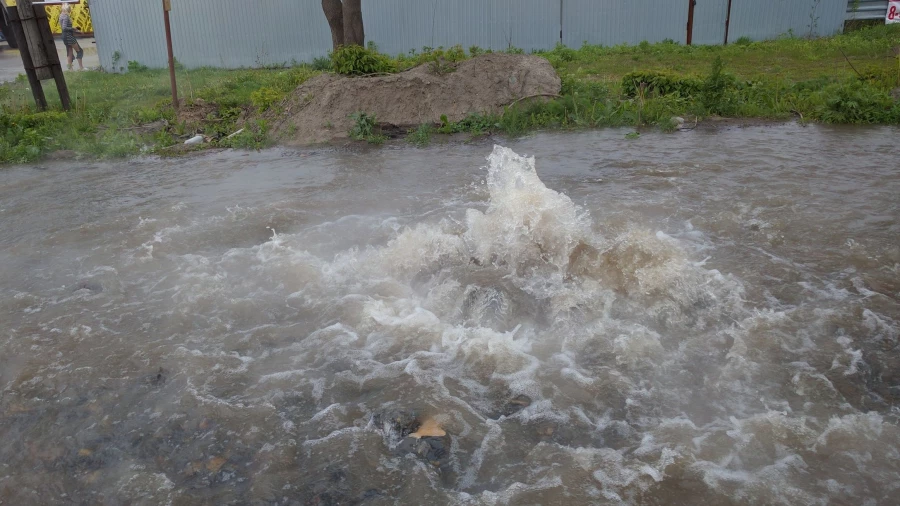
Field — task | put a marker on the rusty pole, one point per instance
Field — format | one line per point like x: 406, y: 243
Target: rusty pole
x: 690, y: 25
x: 167, y: 6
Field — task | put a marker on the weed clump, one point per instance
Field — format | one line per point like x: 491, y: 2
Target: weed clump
x: 359, y: 61
x: 365, y: 128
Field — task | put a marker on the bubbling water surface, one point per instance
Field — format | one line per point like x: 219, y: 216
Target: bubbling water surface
x: 672, y: 336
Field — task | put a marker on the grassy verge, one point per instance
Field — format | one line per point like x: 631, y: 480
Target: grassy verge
x: 116, y: 115
x: 848, y: 78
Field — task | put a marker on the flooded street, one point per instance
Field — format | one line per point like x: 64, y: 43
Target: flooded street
x: 691, y: 318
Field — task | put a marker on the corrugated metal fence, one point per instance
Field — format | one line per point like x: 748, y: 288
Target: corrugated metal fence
x: 243, y: 33
x: 867, y: 9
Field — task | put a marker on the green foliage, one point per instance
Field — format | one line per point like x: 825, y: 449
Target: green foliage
x: 26, y: 136
x: 743, y: 41
x: 440, y: 61
x: 883, y: 76
x: 322, y: 63
x: 632, y: 135
x: 264, y: 97
x: 136, y: 66
x: 364, y: 129
x: 475, y: 124
x: 420, y: 136
x: 660, y: 83
x: 254, y: 136
x: 715, y: 90
x: 358, y: 61
x: 855, y: 102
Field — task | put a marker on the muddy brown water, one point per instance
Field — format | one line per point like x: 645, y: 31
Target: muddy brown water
x: 693, y: 318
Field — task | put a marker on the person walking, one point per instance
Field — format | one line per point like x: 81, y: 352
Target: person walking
x: 73, y: 48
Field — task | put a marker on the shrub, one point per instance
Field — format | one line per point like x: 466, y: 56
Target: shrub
x: 660, y: 83
x: 359, y: 61
x: 264, y: 97
x: 855, y: 102
x: 364, y: 127
x: 715, y: 88
x: 322, y: 63
x: 136, y: 66
x: 24, y: 137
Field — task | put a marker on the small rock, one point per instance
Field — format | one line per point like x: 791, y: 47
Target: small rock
x: 215, y: 463
x: 678, y: 120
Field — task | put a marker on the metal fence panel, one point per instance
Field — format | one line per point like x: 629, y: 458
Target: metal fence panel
x: 128, y: 30
x: 867, y: 9
x: 398, y: 26
x: 709, y: 21
x: 237, y: 33
x: 215, y: 33
x: 616, y: 22
x: 768, y: 19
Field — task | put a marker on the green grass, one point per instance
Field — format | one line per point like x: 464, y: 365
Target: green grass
x: 108, y: 110
x: 602, y: 86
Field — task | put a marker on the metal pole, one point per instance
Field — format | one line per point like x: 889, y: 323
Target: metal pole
x: 167, y: 6
x: 690, y: 24
x: 727, y: 22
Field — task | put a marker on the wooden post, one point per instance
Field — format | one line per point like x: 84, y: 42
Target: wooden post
x: 38, y: 51
x: 37, y: 91
x: 50, y: 46
x: 167, y: 6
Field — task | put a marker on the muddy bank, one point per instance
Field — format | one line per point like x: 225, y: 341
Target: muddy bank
x: 320, y: 110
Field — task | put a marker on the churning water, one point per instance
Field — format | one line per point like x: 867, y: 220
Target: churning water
x: 696, y: 318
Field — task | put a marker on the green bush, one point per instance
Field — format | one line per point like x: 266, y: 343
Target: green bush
x: 24, y: 137
x: 855, y: 102
x: 364, y: 129
x: 322, y: 63
x: 264, y: 97
x: 136, y: 66
x: 660, y: 83
x: 359, y: 61
x: 714, y: 92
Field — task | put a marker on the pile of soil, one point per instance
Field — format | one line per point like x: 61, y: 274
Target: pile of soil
x: 320, y: 109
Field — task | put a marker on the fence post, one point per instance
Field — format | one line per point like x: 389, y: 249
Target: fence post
x: 690, y: 23
x: 167, y: 6
x: 727, y: 22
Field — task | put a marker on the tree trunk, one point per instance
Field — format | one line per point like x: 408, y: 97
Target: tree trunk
x: 335, y: 16
x: 353, y: 23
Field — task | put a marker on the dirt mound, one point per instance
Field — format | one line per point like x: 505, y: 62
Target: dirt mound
x: 320, y: 109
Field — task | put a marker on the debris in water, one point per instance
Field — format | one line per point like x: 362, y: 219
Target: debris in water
x: 429, y: 428
x: 215, y: 464
x: 516, y: 404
